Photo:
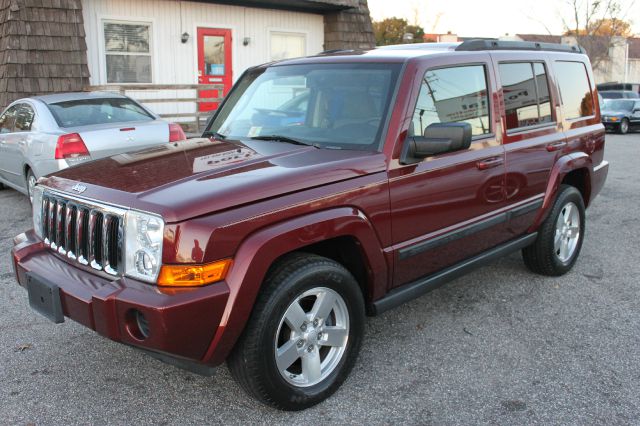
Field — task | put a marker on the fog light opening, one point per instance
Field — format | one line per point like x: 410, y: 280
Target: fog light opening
x: 137, y: 324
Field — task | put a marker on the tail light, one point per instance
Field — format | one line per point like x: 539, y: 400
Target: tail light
x: 70, y: 146
x: 175, y: 133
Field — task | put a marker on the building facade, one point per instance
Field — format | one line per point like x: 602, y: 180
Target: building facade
x: 49, y: 46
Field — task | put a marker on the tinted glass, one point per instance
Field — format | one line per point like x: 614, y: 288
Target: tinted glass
x: 24, y: 118
x: 87, y: 112
x: 8, y: 120
x: 574, y: 89
x: 330, y: 105
x: 520, y: 99
x: 544, y: 98
x: 526, y: 99
x: 457, y: 94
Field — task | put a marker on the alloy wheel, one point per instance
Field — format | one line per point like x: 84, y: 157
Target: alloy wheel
x: 567, y: 232
x: 312, y: 337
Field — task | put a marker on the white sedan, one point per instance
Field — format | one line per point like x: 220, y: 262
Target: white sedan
x: 44, y: 134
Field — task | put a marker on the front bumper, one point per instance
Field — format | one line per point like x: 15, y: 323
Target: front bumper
x: 182, y: 322
x: 611, y: 125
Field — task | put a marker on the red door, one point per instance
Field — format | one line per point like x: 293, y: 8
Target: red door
x: 214, y: 63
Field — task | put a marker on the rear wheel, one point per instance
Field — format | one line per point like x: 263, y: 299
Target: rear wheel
x: 560, y: 236
x: 624, y: 126
x: 303, y: 336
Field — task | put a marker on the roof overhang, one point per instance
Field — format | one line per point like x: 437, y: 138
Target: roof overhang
x: 309, y: 6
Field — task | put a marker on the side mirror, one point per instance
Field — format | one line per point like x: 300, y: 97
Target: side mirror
x: 438, y: 138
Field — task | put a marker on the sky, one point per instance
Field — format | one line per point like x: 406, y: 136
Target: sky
x: 488, y: 18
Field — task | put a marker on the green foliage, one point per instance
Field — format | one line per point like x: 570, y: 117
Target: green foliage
x: 391, y: 30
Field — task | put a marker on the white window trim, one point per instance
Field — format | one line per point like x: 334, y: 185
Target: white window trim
x: 271, y: 31
x: 102, y: 50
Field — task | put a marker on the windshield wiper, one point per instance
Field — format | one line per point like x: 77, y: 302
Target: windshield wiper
x: 286, y: 139
x: 214, y: 134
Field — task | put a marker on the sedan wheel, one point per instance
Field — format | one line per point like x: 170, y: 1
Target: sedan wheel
x: 624, y: 126
x: 31, y: 184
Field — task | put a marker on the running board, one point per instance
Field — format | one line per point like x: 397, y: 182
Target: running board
x: 407, y: 292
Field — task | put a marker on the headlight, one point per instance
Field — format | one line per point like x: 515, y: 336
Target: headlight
x: 36, y: 208
x: 143, y: 247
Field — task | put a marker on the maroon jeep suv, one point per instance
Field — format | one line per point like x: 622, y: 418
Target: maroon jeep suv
x: 324, y: 188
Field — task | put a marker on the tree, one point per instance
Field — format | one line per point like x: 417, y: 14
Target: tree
x: 391, y: 31
x: 596, y: 24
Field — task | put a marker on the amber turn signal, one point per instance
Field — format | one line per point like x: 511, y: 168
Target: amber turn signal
x: 193, y: 275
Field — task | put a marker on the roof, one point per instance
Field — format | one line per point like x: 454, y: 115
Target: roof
x: 310, y: 6
x: 387, y: 54
x: 540, y: 38
x: 76, y: 96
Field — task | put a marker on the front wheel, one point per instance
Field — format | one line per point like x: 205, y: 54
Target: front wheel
x: 560, y: 236
x: 303, y: 336
x: 624, y: 127
x: 31, y: 184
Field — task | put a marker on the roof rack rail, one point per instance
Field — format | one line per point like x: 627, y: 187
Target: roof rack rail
x: 472, y: 45
x: 332, y: 51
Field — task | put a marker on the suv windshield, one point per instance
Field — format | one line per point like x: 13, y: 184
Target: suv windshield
x: 618, y: 104
x: 87, y: 112
x: 327, y: 105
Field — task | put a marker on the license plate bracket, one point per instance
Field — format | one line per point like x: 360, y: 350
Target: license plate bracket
x: 44, y: 298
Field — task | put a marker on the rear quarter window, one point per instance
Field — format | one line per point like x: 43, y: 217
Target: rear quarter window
x: 575, y: 90
x: 87, y: 112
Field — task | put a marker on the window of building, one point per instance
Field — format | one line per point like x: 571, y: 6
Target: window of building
x: 526, y: 99
x: 287, y: 45
x: 575, y: 91
x: 456, y: 94
x: 127, y: 52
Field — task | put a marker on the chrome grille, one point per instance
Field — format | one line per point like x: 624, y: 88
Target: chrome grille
x: 87, y: 233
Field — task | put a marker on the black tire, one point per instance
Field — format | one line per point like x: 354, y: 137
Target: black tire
x: 623, y: 128
x: 29, y: 176
x: 541, y: 257
x: 253, y: 360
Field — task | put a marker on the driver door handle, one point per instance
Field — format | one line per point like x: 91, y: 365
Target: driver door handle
x: 489, y: 163
x: 556, y: 146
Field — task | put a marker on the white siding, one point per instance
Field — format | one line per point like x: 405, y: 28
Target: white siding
x: 176, y: 63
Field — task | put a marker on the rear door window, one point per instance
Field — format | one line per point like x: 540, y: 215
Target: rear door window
x: 526, y: 94
x: 575, y: 91
x: 24, y: 118
x: 455, y: 94
x: 86, y: 112
x: 8, y: 120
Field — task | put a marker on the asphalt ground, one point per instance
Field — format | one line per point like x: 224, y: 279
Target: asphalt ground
x: 500, y: 346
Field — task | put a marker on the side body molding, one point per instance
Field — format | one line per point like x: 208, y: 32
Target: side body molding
x: 258, y: 252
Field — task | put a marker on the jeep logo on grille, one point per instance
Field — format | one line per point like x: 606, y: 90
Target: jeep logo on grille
x: 79, y: 188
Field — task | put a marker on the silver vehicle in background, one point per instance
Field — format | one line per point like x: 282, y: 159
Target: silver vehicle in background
x: 44, y: 134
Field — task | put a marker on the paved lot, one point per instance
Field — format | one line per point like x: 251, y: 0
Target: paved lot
x: 498, y: 346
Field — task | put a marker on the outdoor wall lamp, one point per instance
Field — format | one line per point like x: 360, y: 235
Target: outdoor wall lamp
x: 185, y: 37
x: 246, y: 41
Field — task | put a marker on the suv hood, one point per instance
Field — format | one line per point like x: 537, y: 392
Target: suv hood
x: 202, y: 176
